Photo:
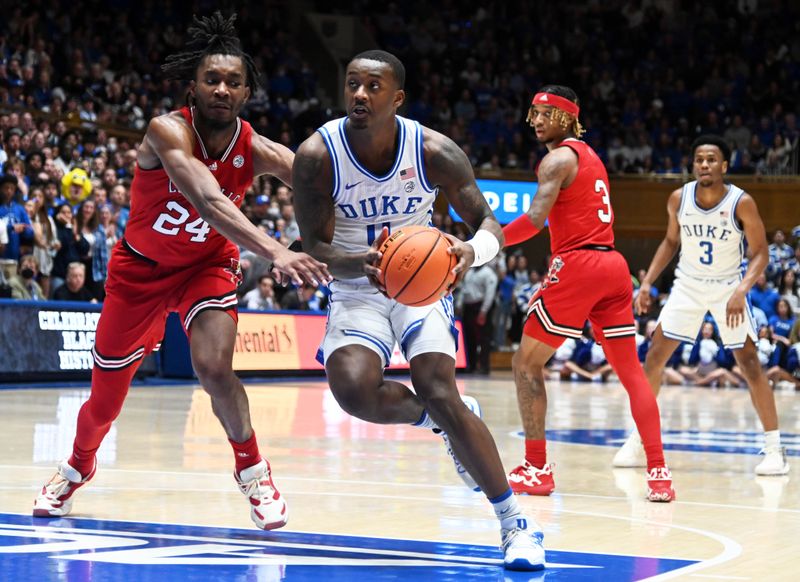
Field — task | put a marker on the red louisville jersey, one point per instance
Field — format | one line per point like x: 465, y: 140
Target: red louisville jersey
x: 165, y: 227
x: 582, y: 212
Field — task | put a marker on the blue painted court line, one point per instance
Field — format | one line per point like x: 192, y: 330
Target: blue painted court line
x: 77, y: 549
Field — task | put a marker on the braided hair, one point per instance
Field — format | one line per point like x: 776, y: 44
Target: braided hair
x: 209, y: 35
x: 566, y: 120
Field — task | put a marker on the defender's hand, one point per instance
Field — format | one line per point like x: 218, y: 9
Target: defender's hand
x: 300, y: 268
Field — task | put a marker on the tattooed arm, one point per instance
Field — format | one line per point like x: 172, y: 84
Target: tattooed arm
x: 312, y: 179
x: 557, y: 170
x: 448, y: 168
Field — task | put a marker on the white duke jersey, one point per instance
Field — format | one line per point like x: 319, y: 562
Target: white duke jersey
x: 365, y: 203
x: 712, y: 242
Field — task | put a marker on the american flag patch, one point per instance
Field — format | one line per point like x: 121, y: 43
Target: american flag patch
x: 723, y: 213
x: 407, y: 174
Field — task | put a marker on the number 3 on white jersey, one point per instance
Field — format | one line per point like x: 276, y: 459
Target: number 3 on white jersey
x: 199, y: 228
x: 604, y: 215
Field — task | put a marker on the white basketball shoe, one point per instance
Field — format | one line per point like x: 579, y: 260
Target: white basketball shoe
x: 774, y: 462
x: 522, y: 547
x: 631, y: 454
x: 268, y: 508
x: 55, y: 498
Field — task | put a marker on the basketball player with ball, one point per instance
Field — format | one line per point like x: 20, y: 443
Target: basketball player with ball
x: 367, y: 182
x: 587, y: 279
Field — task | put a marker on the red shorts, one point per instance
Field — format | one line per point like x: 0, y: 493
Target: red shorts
x: 140, y: 294
x: 580, y: 285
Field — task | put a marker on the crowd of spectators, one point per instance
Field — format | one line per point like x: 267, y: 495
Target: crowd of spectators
x: 651, y: 75
x: 70, y: 74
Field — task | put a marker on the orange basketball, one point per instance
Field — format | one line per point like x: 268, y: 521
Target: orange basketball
x: 416, y: 268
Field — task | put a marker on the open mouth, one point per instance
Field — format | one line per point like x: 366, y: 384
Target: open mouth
x: 359, y: 110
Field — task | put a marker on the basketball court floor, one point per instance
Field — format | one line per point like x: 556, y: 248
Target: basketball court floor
x: 371, y: 502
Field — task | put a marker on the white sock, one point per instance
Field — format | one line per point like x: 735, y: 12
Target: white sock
x: 425, y: 421
x: 507, y: 510
x: 772, y: 438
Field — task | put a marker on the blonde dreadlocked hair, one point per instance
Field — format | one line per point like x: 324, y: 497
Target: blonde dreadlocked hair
x: 567, y: 121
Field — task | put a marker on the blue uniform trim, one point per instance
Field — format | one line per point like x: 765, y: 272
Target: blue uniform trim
x: 502, y: 496
x: 387, y: 353
x: 402, y: 131
x: 675, y: 336
x: 423, y: 180
x: 326, y: 137
x: 735, y: 205
x: 409, y: 332
x: 731, y: 191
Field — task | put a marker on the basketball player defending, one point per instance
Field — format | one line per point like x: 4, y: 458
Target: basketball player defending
x: 356, y: 179
x: 587, y: 279
x: 710, y: 220
x: 193, y: 169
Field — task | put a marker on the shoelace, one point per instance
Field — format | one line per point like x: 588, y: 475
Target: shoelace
x: 57, y: 486
x: 529, y: 540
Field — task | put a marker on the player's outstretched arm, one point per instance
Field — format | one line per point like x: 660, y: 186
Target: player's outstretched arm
x: 272, y: 158
x: 312, y: 179
x: 556, y: 168
x: 448, y: 168
x: 664, y: 253
x: 170, y: 140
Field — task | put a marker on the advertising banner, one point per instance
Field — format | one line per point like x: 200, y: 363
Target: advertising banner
x: 507, y: 199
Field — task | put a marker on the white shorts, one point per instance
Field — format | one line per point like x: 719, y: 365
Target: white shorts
x: 690, y: 300
x: 359, y: 314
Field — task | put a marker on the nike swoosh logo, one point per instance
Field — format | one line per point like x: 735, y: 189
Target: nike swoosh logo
x: 505, y: 511
x: 349, y: 186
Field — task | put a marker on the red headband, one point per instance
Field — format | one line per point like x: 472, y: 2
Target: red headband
x: 556, y: 101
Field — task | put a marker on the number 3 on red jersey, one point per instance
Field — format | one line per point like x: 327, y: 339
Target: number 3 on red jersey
x: 170, y: 223
x: 604, y: 215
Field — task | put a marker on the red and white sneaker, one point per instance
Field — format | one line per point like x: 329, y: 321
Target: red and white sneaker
x: 55, y: 499
x: 531, y: 480
x: 659, y: 485
x: 268, y: 508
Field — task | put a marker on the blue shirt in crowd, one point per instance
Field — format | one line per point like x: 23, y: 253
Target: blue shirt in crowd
x: 14, y: 213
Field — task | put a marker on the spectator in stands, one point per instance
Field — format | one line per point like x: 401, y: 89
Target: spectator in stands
x: 787, y: 289
x: 74, y: 289
x: 780, y: 254
x: 588, y: 361
x: 475, y: 302
x: 700, y: 363
x: 88, y: 224
x: 18, y: 224
x: 24, y: 285
x: 44, y: 236
x: 793, y: 264
x: 72, y: 246
x: 781, y: 325
x: 304, y: 298
x: 261, y: 297
x: 505, y: 301
x: 764, y: 297
x: 643, y: 342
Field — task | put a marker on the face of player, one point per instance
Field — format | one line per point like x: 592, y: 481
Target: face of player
x: 707, y: 332
x: 709, y: 166
x: 547, y: 131
x: 371, y: 94
x: 220, y: 89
